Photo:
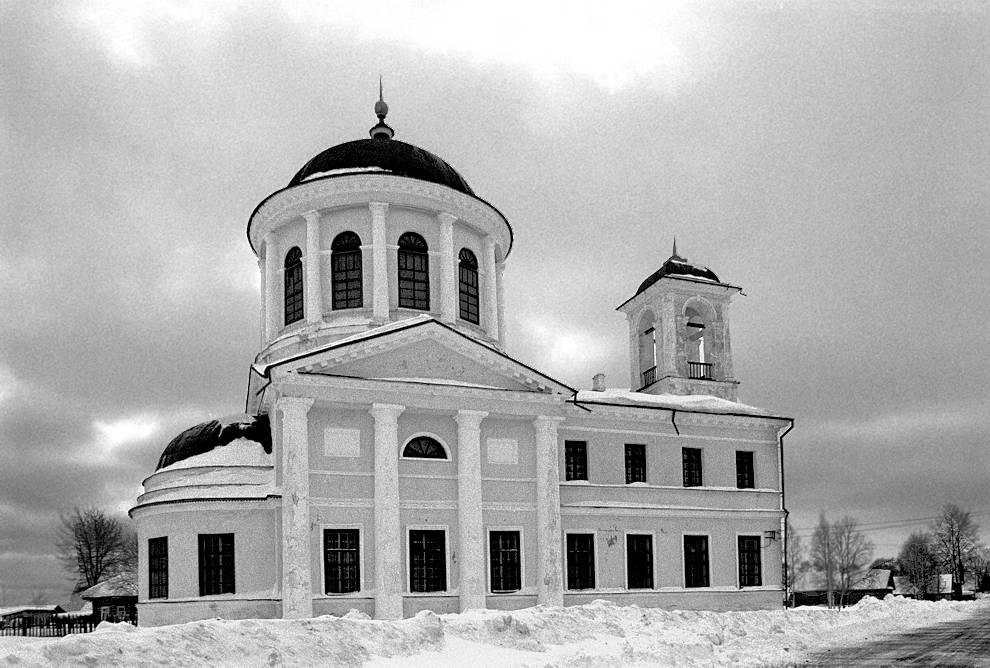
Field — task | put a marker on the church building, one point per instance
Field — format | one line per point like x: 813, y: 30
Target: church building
x: 394, y: 457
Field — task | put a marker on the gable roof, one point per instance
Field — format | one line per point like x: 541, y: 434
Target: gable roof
x: 118, y: 585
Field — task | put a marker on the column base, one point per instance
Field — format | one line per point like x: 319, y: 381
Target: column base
x: 388, y: 606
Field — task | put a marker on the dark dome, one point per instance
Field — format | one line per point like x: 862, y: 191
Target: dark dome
x: 215, y: 433
x: 678, y: 267
x: 390, y: 155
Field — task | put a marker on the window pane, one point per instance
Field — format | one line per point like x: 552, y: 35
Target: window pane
x: 345, y: 263
x: 580, y: 561
x: 745, y: 478
x: 635, y: 462
x: 639, y: 561
x: 427, y: 561
x: 692, y: 466
x: 158, y: 567
x: 575, y: 460
x: 293, y: 279
x: 468, y: 286
x: 505, y: 561
x: 216, y: 564
x: 414, y: 272
x: 695, y: 561
x: 424, y: 447
x: 341, y: 560
x: 750, y: 571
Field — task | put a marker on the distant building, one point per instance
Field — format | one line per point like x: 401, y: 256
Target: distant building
x: 876, y: 582
x: 113, y: 599
x: 19, y: 616
x: 395, y: 458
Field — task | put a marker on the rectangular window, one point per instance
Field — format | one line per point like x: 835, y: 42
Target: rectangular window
x: 639, y: 561
x: 575, y: 460
x: 750, y: 571
x: 745, y: 478
x: 635, y: 462
x: 580, y: 561
x: 348, y: 288
x: 505, y: 560
x: 216, y: 563
x: 468, y: 293
x: 414, y: 280
x: 341, y: 561
x: 427, y: 560
x: 691, y: 458
x: 158, y: 567
x: 695, y: 561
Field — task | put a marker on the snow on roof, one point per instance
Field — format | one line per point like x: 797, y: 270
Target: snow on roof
x: 29, y: 608
x: 692, y: 402
x: 346, y: 170
x: 118, y: 585
x: 239, y: 452
x: 875, y: 578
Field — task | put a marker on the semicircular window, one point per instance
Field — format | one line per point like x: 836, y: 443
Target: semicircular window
x: 345, y: 260
x: 414, y: 272
x: 424, y: 447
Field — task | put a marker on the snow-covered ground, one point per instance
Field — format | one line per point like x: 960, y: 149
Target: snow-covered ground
x: 597, y: 634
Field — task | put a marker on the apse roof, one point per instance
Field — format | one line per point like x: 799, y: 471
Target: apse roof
x: 212, y: 434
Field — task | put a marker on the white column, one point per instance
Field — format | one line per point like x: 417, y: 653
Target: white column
x: 500, y: 302
x: 388, y: 534
x: 297, y: 585
x: 668, y: 338
x: 448, y: 275
x: 470, y: 525
x: 550, y: 583
x: 379, y: 211
x: 263, y: 298
x: 314, y: 295
x: 491, y: 291
x: 272, y: 283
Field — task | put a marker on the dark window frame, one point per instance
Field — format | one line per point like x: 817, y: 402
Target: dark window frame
x: 580, y: 553
x: 158, y: 567
x: 216, y: 564
x: 424, y: 447
x: 635, y: 462
x: 745, y: 469
x: 341, y: 560
x: 346, y: 272
x: 697, y: 566
x: 639, y: 569
x: 292, y: 284
x: 749, y: 550
x: 469, y: 299
x: 692, y: 467
x: 504, y: 560
x: 427, y: 560
x: 413, y: 272
x: 575, y: 460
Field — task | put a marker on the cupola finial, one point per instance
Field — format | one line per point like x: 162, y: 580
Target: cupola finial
x: 381, y: 129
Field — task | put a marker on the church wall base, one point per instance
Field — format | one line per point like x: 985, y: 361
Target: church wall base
x: 718, y: 601
x: 160, y: 613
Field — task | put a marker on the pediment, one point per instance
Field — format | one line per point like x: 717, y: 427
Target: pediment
x: 424, y: 352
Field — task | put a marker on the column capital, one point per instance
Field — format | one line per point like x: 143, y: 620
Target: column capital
x: 386, y: 411
x: 468, y: 418
x: 294, y: 404
x: 446, y: 218
x: 547, y: 421
x: 380, y: 208
x: 311, y: 216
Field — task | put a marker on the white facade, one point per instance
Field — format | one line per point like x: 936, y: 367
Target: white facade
x: 341, y: 514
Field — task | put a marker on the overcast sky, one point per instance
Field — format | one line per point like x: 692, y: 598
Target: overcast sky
x: 831, y: 158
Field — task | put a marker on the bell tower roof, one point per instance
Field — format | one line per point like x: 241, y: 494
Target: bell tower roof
x: 678, y: 267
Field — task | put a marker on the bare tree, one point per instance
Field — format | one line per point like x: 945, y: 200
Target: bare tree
x: 823, y: 555
x: 955, y: 544
x: 93, y: 545
x: 919, y: 562
x: 852, y: 555
x: 797, y: 560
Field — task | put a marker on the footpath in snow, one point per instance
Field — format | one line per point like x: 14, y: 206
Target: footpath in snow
x: 597, y: 634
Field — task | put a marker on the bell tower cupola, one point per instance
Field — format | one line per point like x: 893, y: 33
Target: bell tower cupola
x: 679, y: 331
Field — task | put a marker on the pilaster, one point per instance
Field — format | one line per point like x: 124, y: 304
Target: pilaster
x: 668, y: 337
x: 549, y: 577
x: 272, y: 275
x: 500, y: 302
x: 314, y: 295
x: 470, y: 529
x: 388, y: 538
x: 379, y: 213
x: 448, y: 275
x: 262, y: 291
x: 488, y: 263
x: 297, y: 586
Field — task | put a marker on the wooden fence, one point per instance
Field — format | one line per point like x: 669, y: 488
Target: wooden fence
x: 52, y: 628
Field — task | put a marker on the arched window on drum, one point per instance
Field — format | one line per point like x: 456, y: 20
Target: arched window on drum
x: 345, y: 267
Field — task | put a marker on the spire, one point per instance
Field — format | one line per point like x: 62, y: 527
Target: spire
x: 674, y: 255
x: 381, y: 129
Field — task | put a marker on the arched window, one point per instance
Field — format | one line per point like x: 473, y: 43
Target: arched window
x: 468, y: 285
x: 345, y: 263
x: 697, y: 344
x: 648, y: 348
x: 414, y: 272
x: 424, y: 447
x: 293, y: 286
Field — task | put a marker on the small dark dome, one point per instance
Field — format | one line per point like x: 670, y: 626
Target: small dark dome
x: 214, y: 434
x: 678, y: 267
x: 389, y: 155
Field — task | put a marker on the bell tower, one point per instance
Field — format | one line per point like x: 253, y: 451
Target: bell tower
x: 679, y: 332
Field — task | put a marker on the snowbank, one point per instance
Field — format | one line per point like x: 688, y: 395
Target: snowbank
x: 596, y: 634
